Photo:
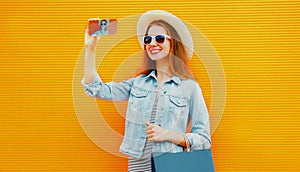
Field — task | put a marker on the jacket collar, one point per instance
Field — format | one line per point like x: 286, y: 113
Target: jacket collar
x: 175, y: 78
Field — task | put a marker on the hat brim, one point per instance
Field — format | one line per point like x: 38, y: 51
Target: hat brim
x: 152, y: 15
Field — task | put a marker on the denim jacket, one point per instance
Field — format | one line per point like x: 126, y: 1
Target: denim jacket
x: 179, y: 100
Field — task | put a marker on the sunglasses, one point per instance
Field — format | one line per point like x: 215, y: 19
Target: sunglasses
x: 158, y: 38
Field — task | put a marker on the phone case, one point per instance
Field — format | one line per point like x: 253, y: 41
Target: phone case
x: 102, y: 27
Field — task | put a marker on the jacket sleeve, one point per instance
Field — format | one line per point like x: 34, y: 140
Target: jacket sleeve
x: 109, y: 91
x: 199, y: 138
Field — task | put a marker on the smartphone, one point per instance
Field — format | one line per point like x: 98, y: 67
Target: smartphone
x: 102, y: 27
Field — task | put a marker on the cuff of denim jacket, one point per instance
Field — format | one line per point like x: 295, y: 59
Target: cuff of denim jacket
x: 90, y: 88
x: 97, y: 79
x: 196, y: 143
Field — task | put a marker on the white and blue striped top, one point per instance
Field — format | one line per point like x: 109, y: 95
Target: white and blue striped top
x: 143, y: 164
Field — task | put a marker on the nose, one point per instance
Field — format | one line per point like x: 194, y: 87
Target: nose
x: 153, y: 42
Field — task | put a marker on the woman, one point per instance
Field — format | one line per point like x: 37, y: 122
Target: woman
x: 162, y: 99
x: 103, y: 27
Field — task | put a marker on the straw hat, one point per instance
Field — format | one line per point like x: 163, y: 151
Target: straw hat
x: 152, y: 15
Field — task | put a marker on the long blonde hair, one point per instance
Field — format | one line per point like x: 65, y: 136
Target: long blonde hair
x: 178, y: 58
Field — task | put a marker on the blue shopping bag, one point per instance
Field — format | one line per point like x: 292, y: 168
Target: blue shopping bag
x: 195, y: 161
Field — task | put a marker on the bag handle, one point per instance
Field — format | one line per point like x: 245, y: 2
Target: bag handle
x: 188, y: 145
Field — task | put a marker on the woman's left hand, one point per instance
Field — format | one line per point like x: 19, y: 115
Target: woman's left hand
x: 156, y: 133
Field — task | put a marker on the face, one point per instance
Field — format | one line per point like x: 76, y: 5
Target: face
x: 157, y: 51
x: 103, y: 24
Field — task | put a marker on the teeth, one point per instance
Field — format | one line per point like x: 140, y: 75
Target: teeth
x: 155, y: 51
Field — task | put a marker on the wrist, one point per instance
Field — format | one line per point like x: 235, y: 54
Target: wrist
x: 173, y: 137
x: 90, y: 48
x: 169, y: 136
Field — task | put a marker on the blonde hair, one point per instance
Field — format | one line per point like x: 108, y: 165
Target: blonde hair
x: 178, y: 57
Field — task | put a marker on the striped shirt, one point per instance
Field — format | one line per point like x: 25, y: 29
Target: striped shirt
x: 143, y: 164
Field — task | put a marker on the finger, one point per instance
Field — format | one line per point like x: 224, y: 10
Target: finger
x: 149, y: 132
x: 94, y: 39
x: 98, y: 37
x: 153, y: 139
x: 147, y: 123
x: 150, y: 125
x: 87, y: 35
x: 149, y: 136
x: 148, y: 129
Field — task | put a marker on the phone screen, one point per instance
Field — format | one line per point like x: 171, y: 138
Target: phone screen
x: 102, y: 27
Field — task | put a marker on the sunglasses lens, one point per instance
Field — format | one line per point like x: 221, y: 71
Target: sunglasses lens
x: 147, y: 39
x: 160, y: 39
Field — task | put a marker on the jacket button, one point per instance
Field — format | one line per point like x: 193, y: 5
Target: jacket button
x: 178, y: 101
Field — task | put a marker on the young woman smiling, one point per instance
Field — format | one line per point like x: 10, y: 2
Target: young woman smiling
x: 163, y: 99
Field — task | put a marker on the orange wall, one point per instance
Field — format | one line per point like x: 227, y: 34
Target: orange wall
x: 258, y: 47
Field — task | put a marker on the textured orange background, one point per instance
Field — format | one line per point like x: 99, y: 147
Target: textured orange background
x: 257, y: 42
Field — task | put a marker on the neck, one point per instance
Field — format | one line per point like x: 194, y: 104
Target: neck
x: 163, y: 71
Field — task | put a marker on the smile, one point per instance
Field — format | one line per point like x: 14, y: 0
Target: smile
x: 155, y: 51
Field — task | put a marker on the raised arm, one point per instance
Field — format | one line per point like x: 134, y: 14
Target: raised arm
x: 93, y: 85
x: 90, y: 55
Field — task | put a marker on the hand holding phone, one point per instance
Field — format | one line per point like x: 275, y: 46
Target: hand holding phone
x: 98, y: 27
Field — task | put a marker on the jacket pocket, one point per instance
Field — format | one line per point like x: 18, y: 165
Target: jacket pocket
x: 139, y: 107
x: 139, y: 93
x: 177, y: 111
x: 178, y: 101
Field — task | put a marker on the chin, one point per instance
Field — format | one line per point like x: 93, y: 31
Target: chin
x: 157, y: 56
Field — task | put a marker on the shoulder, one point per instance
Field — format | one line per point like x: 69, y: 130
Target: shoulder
x: 190, y: 88
x: 140, y: 77
x: 190, y: 84
x: 137, y: 80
